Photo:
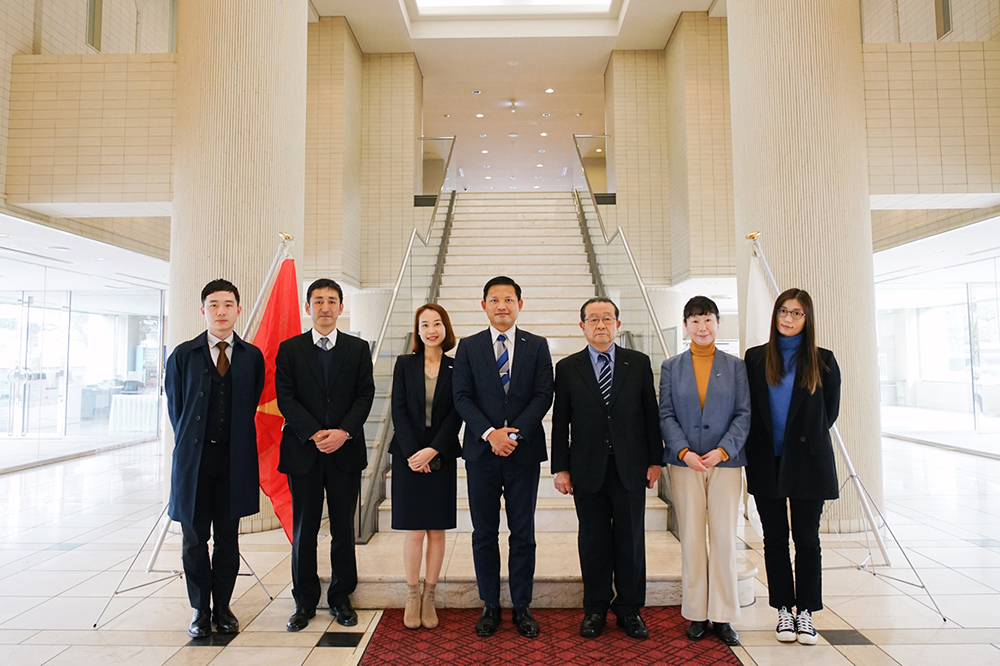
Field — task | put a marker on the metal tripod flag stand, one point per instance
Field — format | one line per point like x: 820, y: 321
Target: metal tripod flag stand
x: 865, y: 499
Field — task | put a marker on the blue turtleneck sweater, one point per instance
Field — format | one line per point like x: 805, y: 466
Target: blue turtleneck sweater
x: 781, y: 395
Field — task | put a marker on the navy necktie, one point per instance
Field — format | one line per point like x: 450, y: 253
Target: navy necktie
x: 604, y: 380
x: 503, y: 361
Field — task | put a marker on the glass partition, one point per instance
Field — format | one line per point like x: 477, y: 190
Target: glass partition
x: 79, y: 369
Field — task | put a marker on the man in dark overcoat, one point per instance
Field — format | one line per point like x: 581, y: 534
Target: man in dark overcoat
x: 213, y: 385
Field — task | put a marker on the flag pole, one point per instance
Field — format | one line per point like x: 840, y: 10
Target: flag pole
x: 279, y: 254
x: 852, y: 473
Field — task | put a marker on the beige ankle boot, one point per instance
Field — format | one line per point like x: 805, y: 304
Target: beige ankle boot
x: 428, y: 614
x: 411, y: 614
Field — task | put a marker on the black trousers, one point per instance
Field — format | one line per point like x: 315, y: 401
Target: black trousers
x: 210, y: 581
x: 341, y: 488
x: 612, y: 544
x: 805, y: 592
x: 489, y: 478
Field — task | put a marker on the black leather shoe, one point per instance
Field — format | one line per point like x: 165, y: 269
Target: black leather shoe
x: 592, y: 625
x: 697, y: 630
x: 526, y: 624
x: 634, y: 626
x: 344, y: 614
x: 225, y: 622
x: 488, y: 622
x: 726, y: 633
x: 201, y: 624
x: 300, y: 619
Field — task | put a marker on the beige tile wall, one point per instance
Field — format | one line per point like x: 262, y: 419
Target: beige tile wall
x: 333, y: 154
x: 92, y: 129
x: 637, y: 168
x: 700, y: 148
x: 933, y: 117
x: 879, y: 20
x: 60, y: 28
x: 896, y: 227
x: 971, y: 20
x: 392, y: 101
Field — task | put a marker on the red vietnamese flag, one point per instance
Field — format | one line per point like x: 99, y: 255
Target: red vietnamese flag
x: 280, y: 322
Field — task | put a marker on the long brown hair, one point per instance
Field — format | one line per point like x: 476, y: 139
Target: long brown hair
x: 807, y: 361
x: 449, y: 334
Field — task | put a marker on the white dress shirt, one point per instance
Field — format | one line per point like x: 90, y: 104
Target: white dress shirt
x: 213, y: 347
x: 332, y: 337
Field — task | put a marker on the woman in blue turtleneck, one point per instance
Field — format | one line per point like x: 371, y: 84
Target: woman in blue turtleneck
x: 794, y: 400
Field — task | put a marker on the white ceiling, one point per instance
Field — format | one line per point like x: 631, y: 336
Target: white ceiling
x: 34, y: 257
x: 458, y: 53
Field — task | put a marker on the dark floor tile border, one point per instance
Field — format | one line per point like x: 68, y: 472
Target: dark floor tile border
x: 844, y: 637
x: 340, y: 639
x: 215, y: 640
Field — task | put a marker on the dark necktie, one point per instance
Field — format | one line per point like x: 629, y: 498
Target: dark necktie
x: 223, y: 363
x: 503, y: 361
x: 604, y: 380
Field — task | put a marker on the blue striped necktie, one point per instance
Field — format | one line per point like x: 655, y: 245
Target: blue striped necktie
x: 503, y: 361
x: 604, y: 381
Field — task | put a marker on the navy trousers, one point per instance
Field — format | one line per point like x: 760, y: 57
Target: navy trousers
x: 490, y: 478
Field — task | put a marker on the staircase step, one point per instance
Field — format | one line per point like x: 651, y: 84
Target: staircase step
x: 546, y: 488
x: 557, y: 584
x: 523, y: 272
x: 454, y: 294
x: 551, y: 515
x: 468, y: 233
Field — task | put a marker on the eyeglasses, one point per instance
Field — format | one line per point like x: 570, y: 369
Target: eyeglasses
x: 795, y: 314
x: 607, y: 320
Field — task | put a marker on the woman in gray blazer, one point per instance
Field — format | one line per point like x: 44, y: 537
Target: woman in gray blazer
x: 705, y: 418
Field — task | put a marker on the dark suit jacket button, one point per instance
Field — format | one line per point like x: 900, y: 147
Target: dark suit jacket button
x: 196, y: 441
x: 201, y: 395
x: 205, y: 371
x: 197, y: 418
x: 802, y: 439
x: 605, y: 441
x: 705, y: 427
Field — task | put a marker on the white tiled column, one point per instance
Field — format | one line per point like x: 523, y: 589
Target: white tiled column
x: 800, y: 176
x: 239, y: 169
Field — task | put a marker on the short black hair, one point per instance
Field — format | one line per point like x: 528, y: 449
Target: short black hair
x: 502, y: 280
x: 324, y: 283
x: 596, y: 299
x: 700, y: 305
x: 220, y: 285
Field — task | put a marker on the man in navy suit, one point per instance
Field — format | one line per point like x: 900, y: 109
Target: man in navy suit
x: 503, y: 388
x: 213, y: 385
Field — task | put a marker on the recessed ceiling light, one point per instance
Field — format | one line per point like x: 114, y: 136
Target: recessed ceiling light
x: 482, y: 136
x: 938, y: 251
x: 544, y: 134
x: 538, y: 165
x: 58, y: 248
x: 461, y: 172
x: 541, y: 151
x: 538, y: 177
x: 513, y: 187
x: 600, y: 150
x: 512, y: 63
x: 537, y: 186
x: 513, y: 177
x: 98, y: 258
x: 489, y: 177
x: 485, y: 151
x: 4, y: 235
x: 489, y: 187
x: 546, y: 115
x: 477, y: 92
x: 447, y: 115
x: 578, y: 115
x: 549, y: 90
x: 513, y: 135
x: 479, y: 115
x: 486, y: 166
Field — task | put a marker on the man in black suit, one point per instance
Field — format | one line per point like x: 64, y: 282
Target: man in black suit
x: 503, y: 388
x: 606, y: 451
x: 325, y: 390
x: 213, y: 385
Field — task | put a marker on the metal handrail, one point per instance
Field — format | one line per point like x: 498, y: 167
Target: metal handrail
x: 426, y: 238
x: 608, y: 239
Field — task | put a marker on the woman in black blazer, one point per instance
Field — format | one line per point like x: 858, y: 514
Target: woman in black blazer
x: 794, y: 400
x: 424, y: 448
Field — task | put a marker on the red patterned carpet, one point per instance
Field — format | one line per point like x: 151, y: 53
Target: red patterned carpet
x: 454, y: 642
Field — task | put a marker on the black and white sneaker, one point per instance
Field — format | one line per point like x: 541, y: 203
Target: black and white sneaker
x: 805, y: 633
x: 785, y: 631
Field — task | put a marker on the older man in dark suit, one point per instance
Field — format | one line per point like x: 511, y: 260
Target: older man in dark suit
x: 213, y: 385
x: 606, y: 450
x: 503, y: 388
x: 325, y: 391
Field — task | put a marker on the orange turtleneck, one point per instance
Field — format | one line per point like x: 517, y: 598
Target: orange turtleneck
x: 702, y: 357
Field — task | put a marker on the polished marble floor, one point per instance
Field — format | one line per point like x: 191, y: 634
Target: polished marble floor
x: 69, y: 530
